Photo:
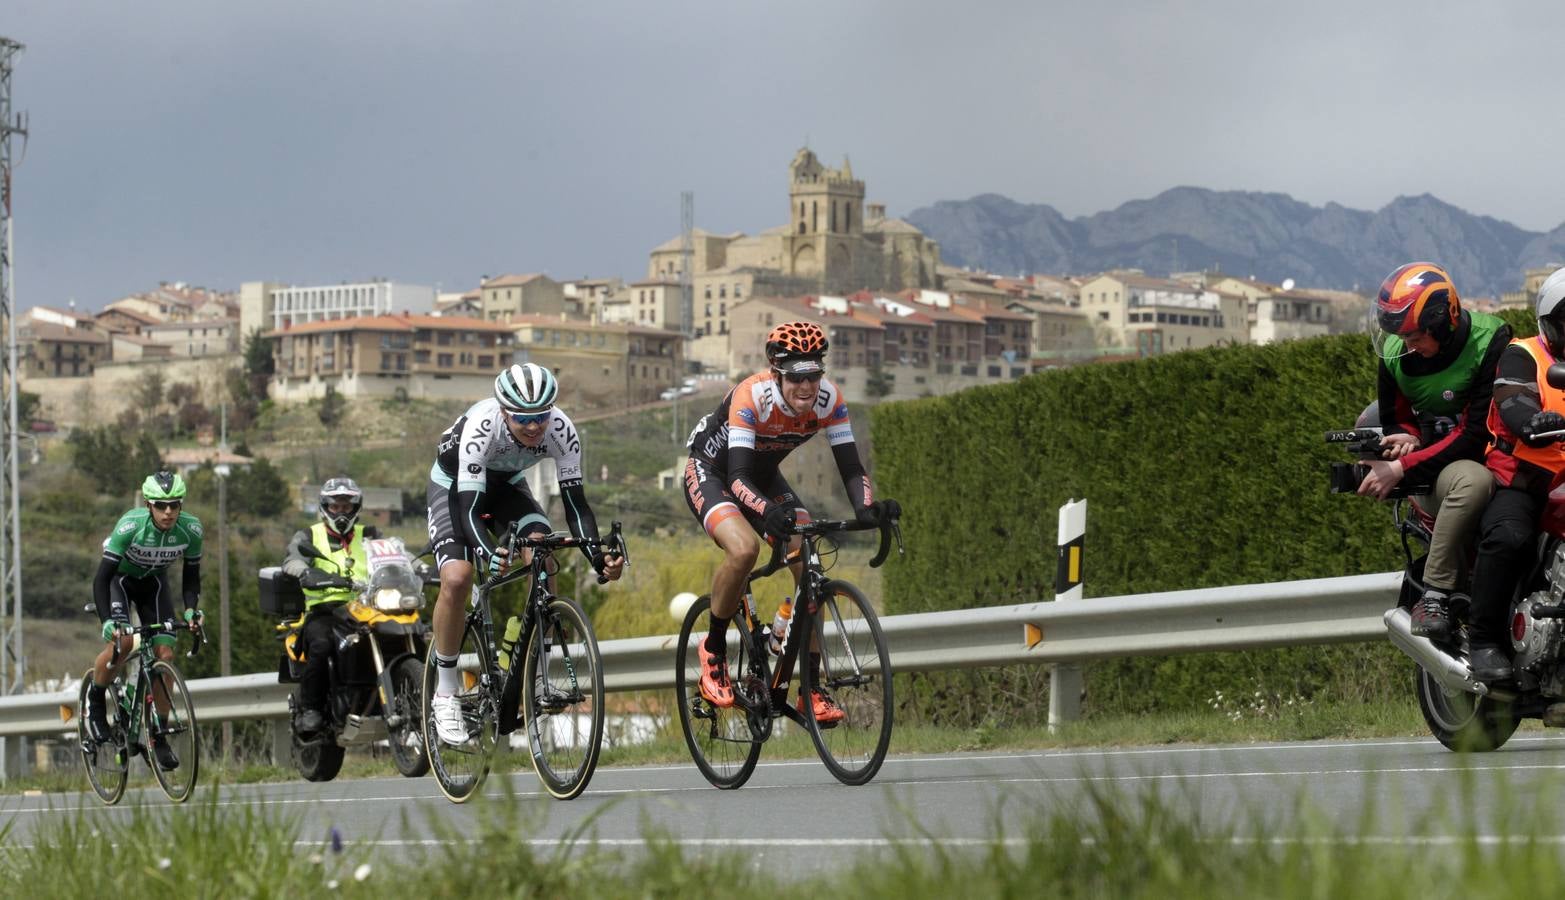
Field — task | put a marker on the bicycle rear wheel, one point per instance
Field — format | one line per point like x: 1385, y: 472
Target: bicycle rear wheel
x: 175, y: 728
x: 720, y: 740
x: 855, y: 670
x: 107, y: 764
x: 461, y: 769
x: 562, y: 695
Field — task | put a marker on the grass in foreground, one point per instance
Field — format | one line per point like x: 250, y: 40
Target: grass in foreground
x: 1107, y: 843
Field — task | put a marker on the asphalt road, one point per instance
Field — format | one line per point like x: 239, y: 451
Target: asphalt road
x: 1382, y: 790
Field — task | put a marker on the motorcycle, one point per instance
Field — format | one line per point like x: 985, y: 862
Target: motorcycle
x: 1462, y: 712
x: 376, y: 668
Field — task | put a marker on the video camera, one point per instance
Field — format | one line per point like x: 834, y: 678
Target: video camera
x: 1345, y: 478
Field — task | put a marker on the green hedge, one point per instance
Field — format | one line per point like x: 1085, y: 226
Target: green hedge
x: 1200, y: 468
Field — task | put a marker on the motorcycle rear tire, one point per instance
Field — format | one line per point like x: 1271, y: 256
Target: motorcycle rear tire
x: 1466, y: 723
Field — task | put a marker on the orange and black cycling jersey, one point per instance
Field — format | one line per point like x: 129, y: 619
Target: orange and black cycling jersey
x: 753, y: 431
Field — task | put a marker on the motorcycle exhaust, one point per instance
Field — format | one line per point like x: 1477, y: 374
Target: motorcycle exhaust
x: 1451, y: 672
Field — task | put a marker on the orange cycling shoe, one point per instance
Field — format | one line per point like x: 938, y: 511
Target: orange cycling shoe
x: 715, y: 685
x: 827, y: 712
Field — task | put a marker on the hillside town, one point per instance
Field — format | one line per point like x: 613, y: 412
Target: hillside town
x: 902, y: 324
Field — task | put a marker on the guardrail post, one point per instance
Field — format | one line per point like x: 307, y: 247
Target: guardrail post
x: 1065, y: 679
x: 282, y: 743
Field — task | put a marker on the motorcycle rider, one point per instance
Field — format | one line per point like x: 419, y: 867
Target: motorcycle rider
x: 1525, y: 467
x: 1437, y: 361
x: 327, y: 584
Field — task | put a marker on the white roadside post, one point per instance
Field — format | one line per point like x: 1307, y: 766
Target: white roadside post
x: 1065, y: 679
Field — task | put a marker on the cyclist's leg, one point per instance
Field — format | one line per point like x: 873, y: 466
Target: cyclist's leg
x: 509, y: 500
x: 119, y: 610
x: 454, y: 562
x: 155, y: 603
x: 718, y: 512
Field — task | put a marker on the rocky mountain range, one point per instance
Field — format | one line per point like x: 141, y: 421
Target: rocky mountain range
x: 1268, y: 236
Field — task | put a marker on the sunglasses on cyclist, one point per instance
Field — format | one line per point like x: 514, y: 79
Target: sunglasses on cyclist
x: 166, y: 505
x: 793, y: 378
x: 535, y: 419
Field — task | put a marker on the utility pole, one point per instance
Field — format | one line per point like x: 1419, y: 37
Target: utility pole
x: 223, y: 659
x: 13, y: 667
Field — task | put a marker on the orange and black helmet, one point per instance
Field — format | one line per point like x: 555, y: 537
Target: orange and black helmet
x: 1419, y: 297
x: 796, y: 347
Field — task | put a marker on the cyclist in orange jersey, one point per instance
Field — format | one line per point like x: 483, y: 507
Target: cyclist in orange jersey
x: 734, y: 487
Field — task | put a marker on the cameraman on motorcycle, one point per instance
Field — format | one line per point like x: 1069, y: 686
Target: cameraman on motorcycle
x: 1526, y: 468
x: 1437, y: 361
x: 327, y: 586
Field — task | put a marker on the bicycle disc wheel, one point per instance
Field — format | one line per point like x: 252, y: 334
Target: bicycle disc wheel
x: 562, y: 696
x: 461, y: 769
x: 720, y: 740
x: 175, y: 728
x: 107, y: 764
x: 855, y: 670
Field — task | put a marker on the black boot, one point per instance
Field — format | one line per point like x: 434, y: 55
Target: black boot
x: 310, y: 721
x: 1488, y: 663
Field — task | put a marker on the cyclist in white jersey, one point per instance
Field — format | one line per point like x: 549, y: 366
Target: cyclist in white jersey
x: 481, y: 468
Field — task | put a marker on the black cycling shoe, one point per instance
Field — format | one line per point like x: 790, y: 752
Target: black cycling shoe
x: 311, y: 721
x: 1489, y: 664
x: 98, y: 723
x: 167, y: 759
x: 1430, y: 617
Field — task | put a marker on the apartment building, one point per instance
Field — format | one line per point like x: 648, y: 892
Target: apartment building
x: 509, y: 297
x: 272, y: 307
x: 601, y: 366
x: 50, y: 350
x: 197, y: 337
x: 1159, y: 315
x: 384, y: 356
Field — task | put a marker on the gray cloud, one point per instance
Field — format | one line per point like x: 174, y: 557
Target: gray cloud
x: 438, y: 142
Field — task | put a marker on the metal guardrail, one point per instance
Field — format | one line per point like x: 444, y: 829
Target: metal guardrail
x: 1241, y: 617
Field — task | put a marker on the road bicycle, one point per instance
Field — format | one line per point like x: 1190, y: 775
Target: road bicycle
x: 146, y: 704
x: 560, y: 685
x: 834, y: 620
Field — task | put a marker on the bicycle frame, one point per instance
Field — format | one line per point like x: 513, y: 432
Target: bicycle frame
x: 126, y: 686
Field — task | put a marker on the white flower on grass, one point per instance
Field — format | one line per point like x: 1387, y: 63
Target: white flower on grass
x: 165, y: 863
x: 362, y: 872
x: 331, y: 885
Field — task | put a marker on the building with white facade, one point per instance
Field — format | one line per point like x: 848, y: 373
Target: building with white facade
x: 272, y: 307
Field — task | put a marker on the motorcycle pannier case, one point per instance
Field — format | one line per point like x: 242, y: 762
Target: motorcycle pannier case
x: 281, y: 595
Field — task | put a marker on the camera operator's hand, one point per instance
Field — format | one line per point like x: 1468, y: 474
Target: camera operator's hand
x: 1381, y: 478
x: 1542, y: 423
x: 1396, y: 446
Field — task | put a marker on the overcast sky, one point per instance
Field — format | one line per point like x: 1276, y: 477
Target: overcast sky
x: 436, y: 142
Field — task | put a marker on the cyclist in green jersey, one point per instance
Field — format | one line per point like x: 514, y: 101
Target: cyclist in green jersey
x: 134, y: 572
x: 1437, y: 377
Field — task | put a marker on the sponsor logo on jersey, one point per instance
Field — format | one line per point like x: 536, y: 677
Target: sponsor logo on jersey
x: 125, y: 528
x: 748, y: 415
x: 195, y: 528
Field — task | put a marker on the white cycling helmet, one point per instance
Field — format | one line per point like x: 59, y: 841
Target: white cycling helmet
x: 526, y: 388
x: 1551, y: 310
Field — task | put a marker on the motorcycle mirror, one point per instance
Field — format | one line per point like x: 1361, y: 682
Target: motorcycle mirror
x: 1556, y: 376
x: 310, y: 551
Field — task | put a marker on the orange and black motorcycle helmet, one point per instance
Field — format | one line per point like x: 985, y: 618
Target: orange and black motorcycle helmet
x: 796, y: 348
x: 1419, y: 296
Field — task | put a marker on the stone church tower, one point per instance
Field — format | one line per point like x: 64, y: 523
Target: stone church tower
x: 825, y: 239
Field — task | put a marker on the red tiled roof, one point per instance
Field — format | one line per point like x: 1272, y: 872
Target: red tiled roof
x: 399, y: 322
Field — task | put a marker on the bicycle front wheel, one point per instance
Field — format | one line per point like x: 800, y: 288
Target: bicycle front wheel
x: 107, y: 764
x: 855, y: 671
x: 562, y: 696
x: 461, y: 768
x: 173, y: 724
x: 720, y: 739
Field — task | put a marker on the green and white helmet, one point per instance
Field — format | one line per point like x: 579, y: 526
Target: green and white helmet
x: 164, y: 485
x: 525, y: 389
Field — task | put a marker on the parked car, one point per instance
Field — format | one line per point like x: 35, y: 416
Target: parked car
x: 669, y: 394
x: 687, y: 390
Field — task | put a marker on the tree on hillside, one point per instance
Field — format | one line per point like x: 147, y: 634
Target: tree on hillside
x: 260, y: 490
x: 114, y: 463
x: 333, y: 405
x: 879, y: 383
x: 149, y: 390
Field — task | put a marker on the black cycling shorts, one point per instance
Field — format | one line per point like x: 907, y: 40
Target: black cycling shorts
x: 708, y: 498
x: 502, y: 501
x: 150, y: 597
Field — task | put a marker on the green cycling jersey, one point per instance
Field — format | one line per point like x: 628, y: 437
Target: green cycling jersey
x: 141, y: 548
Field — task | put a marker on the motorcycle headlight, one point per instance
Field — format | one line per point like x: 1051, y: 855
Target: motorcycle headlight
x: 389, y: 600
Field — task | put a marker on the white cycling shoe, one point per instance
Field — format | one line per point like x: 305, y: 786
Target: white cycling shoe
x: 447, y: 712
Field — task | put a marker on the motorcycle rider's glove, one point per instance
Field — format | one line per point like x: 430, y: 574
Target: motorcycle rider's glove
x: 878, y: 512
x: 1542, y: 423
x: 777, y: 523
x: 317, y: 578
